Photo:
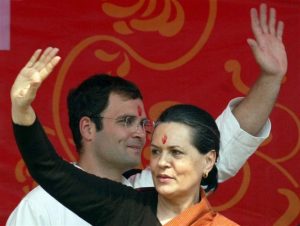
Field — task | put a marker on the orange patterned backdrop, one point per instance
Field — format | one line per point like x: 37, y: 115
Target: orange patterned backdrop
x: 177, y: 51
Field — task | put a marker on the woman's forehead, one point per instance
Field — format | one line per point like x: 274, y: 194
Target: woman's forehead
x: 171, y: 133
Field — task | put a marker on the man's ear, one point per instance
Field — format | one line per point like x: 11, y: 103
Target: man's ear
x: 87, y: 128
x: 210, y: 159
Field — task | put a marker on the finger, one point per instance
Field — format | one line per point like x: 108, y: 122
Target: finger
x: 45, y: 53
x: 45, y: 58
x: 252, y: 43
x: 255, y: 49
x: 272, y: 21
x: 51, y: 55
x: 33, y: 58
x: 49, y: 67
x: 280, y: 29
x: 55, y: 61
x: 263, y: 17
x: 48, y: 57
x: 255, y: 25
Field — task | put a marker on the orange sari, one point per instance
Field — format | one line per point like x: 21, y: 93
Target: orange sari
x: 200, y: 214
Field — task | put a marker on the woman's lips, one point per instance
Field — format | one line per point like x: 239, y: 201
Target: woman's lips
x: 163, y: 178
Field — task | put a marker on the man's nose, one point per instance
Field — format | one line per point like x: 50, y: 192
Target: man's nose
x: 140, y: 131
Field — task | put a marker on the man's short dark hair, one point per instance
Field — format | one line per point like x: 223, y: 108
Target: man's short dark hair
x: 91, y: 97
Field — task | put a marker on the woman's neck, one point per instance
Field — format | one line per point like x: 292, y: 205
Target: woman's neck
x: 167, y: 209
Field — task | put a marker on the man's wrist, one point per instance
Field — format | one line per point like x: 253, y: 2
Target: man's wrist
x: 23, y: 116
x: 277, y: 78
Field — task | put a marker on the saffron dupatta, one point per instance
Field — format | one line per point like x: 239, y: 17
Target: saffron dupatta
x: 200, y: 214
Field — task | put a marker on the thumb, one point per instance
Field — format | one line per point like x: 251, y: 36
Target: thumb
x: 254, y: 48
x: 252, y: 43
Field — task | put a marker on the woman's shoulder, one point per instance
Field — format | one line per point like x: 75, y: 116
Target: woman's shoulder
x: 219, y: 219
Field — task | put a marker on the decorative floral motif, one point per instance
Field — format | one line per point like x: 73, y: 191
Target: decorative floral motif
x: 23, y: 176
x: 144, y: 18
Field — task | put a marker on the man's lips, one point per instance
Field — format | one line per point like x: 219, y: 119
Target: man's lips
x: 137, y: 148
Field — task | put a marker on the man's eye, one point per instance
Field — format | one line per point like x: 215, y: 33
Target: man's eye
x: 126, y: 121
x: 129, y: 121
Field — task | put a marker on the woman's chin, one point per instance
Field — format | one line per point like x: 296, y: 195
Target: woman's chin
x: 166, y: 191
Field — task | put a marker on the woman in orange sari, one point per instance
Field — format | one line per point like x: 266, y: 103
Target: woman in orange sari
x: 184, y: 149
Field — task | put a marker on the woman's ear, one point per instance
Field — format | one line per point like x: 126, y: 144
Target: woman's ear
x: 210, y: 159
x: 87, y: 128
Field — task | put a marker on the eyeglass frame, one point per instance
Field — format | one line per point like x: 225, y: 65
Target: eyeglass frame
x: 141, y: 124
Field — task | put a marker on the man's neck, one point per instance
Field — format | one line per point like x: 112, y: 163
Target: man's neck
x: 102, y: 169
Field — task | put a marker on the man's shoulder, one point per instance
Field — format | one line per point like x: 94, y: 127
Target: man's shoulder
x: 39, y: 194
x: 39, y: 199
x: 39, y: 206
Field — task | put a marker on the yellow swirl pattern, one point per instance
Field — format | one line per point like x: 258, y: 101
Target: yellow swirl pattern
x: 161, y: 23
x: 22, y: 175
x: 241, y: 191
x: 293, y: 209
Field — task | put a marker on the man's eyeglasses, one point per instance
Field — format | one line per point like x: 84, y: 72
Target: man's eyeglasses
x: 132, y: 122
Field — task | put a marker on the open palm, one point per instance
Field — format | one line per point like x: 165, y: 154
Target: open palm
x: 32, y: 75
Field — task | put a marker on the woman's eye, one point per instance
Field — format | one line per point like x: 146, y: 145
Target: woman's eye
x: 177, y: 152
x: 154, y: 151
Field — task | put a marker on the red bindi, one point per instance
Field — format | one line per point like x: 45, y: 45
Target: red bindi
x: 140, y: 111
x: 164, y: 139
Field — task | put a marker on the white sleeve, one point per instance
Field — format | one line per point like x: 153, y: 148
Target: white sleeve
x: 142, y: 179
x: 236, y: 145
x: 27, y: 213
x: 39, y: 208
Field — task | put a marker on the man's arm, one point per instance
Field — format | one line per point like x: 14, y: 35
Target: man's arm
x: 269, y: 52
x: 244, y: 124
